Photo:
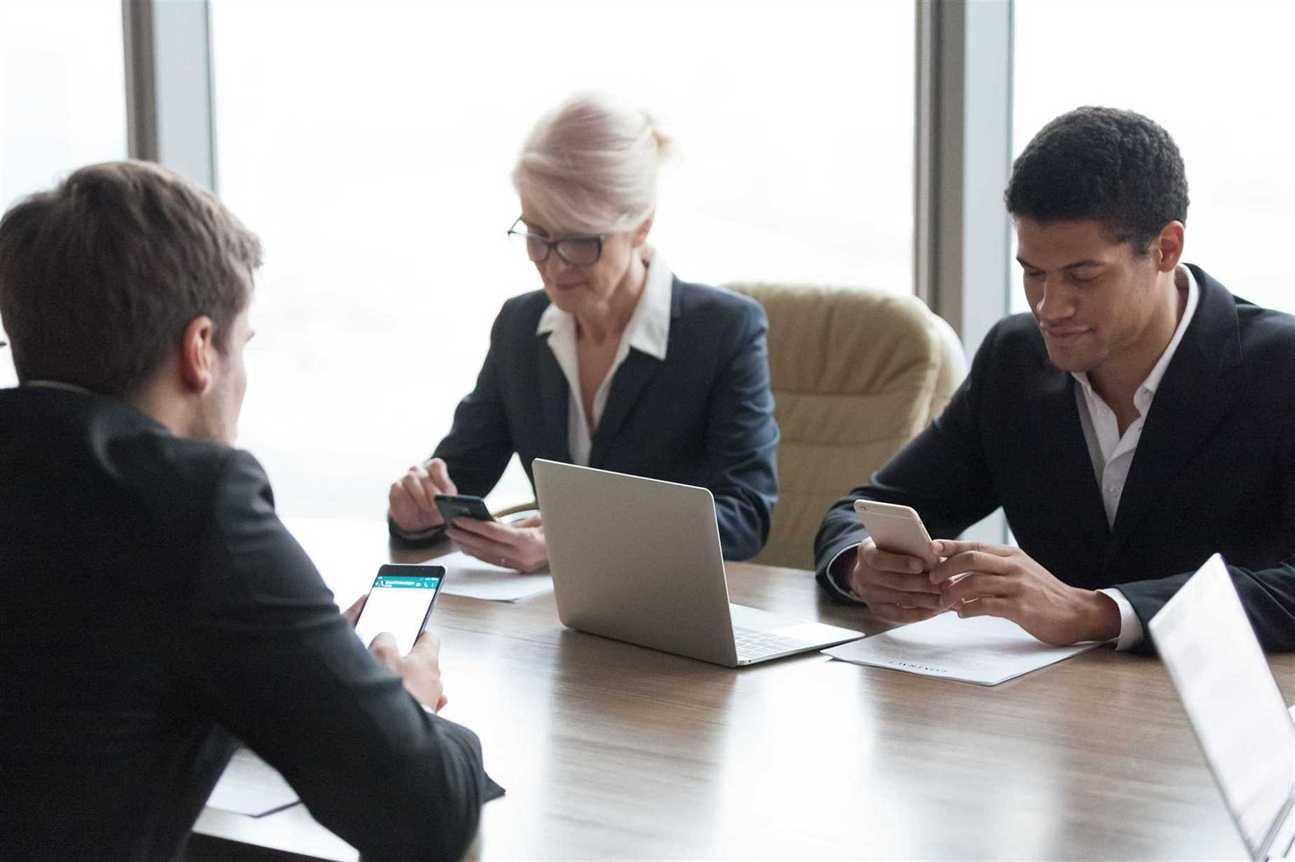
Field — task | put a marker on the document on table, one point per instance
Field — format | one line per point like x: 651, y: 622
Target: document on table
x: 982, y: 650
x: 470, y: 577
x: 251, y: 786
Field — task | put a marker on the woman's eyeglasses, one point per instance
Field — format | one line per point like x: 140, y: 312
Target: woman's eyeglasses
x: 575, y: 250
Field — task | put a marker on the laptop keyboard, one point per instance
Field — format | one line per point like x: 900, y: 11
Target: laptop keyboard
x: 753, y: 643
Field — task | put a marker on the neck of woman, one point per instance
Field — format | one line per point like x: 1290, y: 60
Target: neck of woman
x: 608, y: 319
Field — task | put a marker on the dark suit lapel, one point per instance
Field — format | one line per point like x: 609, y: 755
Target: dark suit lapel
x: 635, y: 373
x: 1191, y: 401
x: 1073, y: 481
x: 552, y: 413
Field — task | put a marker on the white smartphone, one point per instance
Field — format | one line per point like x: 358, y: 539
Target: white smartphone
x: 898, y: 529
x: 400, y: 602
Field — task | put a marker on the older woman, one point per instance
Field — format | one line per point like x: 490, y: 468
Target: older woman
x: 615, y: 364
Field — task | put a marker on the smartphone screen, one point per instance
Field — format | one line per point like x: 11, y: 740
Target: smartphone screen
x: 400, y: 602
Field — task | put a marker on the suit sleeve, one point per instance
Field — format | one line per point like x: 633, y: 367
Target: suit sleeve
x: 477, y: 449
x: 1268, y: 595
x: 942, y: 473
x: 283, y: 670
x: 741, y: 441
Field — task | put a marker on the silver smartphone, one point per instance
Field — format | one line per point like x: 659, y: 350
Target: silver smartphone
x: 897, y: 529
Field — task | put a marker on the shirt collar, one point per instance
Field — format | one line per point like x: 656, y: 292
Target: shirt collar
x: 54, y: 384
x: 1152, y: 383
x: 648, y: 329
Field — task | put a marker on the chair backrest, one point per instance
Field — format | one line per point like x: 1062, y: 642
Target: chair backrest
x: 856, y: 374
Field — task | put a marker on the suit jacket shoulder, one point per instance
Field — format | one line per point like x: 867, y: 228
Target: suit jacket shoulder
x: 691, y: 299
x: 519, y: 316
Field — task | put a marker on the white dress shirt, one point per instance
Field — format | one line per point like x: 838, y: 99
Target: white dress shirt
x: 1112, y: 454
x: 648, y: 331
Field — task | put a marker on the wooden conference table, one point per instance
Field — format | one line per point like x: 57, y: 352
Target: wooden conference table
x: 611, y: 751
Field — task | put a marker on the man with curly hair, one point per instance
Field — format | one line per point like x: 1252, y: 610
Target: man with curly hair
x: 1136, y: 421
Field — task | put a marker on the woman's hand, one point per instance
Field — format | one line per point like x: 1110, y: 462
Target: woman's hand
x: 517, y: 546
x: 412, y: 499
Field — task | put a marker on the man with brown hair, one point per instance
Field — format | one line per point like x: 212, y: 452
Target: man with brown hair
x: 153, y: 602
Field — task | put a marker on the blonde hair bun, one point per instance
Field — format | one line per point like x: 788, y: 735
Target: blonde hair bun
x: 590, y: 165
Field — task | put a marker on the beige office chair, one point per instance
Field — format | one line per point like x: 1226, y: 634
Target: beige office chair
x: 856, y: 374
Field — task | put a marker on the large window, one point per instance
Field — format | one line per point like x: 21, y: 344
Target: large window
x: 370, y: 145
x: 1218, y: 77
x: 62, y: 97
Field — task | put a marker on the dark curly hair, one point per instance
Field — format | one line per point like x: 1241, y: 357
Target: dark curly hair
x: 1106, y: 165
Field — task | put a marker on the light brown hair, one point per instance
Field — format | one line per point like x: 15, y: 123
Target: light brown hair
x: 100, y: 275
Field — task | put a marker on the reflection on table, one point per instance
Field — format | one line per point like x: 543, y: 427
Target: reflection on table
x: 608, y: 750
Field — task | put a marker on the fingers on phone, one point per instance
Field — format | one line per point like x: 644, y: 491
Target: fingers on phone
x: 440, y: 477
x: 889, y: 561
x: 353, y: 612
x: 384, y: 649
x: 413, y: 486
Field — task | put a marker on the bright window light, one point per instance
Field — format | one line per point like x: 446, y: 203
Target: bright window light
x: 1217, y: 77
x: 370, y: 146
x: 62, y: 98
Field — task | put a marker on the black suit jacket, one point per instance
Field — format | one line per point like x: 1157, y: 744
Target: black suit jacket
x: 703, y: 416
x: 153, y: 605
x: 1214, y: 468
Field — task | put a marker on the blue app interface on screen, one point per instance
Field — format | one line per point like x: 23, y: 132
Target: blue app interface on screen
x: 397, y: 604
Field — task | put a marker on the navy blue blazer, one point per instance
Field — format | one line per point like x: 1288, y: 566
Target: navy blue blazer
x: 1214, y: 468
x: 703, y: 416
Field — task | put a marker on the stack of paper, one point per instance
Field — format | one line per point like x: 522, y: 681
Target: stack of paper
x: 983, y: 650
x: 468, y: 576
x: 251, y: 786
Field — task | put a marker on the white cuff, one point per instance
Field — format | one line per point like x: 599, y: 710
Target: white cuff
x: 834, y: 586
x: 1130, y: 626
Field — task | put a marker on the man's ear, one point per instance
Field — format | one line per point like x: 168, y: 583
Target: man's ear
x: 197, y: 353
x: 1168, y: 247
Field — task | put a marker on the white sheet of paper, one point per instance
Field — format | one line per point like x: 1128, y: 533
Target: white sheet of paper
x: 468, y: 576
x: 251, y: 786
x: 982, y: 650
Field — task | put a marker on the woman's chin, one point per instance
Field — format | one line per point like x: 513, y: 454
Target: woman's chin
x: 566, y: 299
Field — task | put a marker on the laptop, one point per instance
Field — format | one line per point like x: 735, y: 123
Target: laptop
x: 639, y: 560
x: 1234, y: 705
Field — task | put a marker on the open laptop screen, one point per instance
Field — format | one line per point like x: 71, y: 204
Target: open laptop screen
x: 1231, y: 698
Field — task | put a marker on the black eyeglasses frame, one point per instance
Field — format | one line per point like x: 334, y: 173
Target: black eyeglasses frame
x: 552, y: 245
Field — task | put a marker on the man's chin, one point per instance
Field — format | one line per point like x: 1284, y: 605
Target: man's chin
x: 1069, y: 361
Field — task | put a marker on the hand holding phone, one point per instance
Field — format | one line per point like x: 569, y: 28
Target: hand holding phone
x: 897, y: 529
x: 410, y: 499
x: 419, y: 669
x: 891, y: 571
x: 400, y: 603
x: 453, y: 506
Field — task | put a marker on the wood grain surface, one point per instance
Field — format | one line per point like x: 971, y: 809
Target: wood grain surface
x: 611, y: 751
